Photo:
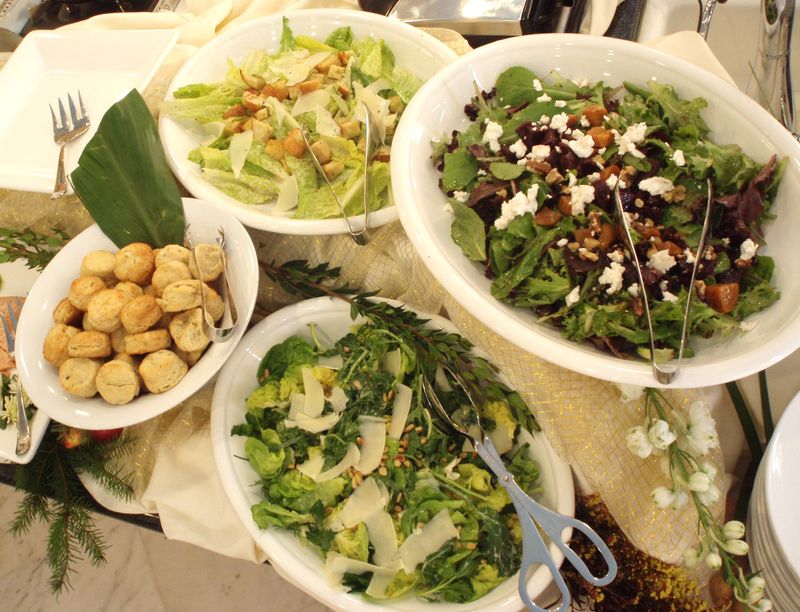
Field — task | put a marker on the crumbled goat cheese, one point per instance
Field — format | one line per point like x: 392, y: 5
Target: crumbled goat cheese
x: 539, y: 152
x: 656, y: 185
x: 579, y: 197
x: 611, y: 181
x: 634, y: 289
x: 560, y: 103
x: 690, y: 258
x: 663, y: 285
x: 574, y: 296
x: 661, y: 261
x: 537, y: 84
x: 594, y: 176
x: 585, y: 122
x: 748, y: 250
x: 747, y: 326
x: 669, y: 297
x: 583, y: 146
x: 544, y: 120
x: 544, y: 98
x: 519, y: 149
x: 582, y: 83
x: 678, y: 158
x: 562, y: 243
x: 617, y: 256
x: 521, y: 203
x: 461, y: 196
x: 726, y: 241
x: 559, y: 122
x: 633, y: 135
x: 612, y: 276
x: 481, y: 172
x: 572, y: 180
x: 492, y: 132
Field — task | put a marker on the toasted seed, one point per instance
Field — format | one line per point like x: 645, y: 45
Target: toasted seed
x: 383, y: 471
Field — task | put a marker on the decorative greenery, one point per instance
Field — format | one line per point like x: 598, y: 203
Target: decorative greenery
x: 34, y: 248
x: 55, y: 496
x: 124, y: 181
x: 8, y: 401
x: 432, y: 346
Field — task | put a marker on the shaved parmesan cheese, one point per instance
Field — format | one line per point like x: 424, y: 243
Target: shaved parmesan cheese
x: 336, y: 566
x: 502, y: 438
x: 288, y: 195
x: 326, y: 125
x: 350, y: 458
x: 338, y: 399
x: 312, y: 467
x: 383, y: 538
x: 378, y: 106
x: 315, y: 425
x: 315, y: 396
x: 239, y: 148
x: 280, y: 113
x: 297, y: 405
x: 370, y: 496
x: 377, y: 586
x: 400, y: 410
x: 373, y: 436
x: 441, y: 380
x: 311, y: 101
x: 391, y: 362
x: 295, y: 67
x: 433, y: 536
x: 211, y: 130
x: 379, y: 85
x: 334, y: 362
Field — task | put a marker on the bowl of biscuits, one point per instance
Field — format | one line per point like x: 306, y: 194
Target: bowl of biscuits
x: 110, y: 336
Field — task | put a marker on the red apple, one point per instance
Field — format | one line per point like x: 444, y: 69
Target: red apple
x: 72, y: 437
x: 105, y: 435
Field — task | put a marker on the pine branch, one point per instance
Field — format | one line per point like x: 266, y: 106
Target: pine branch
x: 34, y: 507
x: 36, y: 249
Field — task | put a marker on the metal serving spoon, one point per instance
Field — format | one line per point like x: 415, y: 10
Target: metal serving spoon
x: 533, y: 517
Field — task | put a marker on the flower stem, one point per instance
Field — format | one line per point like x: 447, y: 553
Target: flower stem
x: 766, y: 411
x: 748, y: 427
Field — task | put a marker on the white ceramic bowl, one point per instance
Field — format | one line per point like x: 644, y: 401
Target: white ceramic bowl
x: 418, y: 52
x: 297, y: 563
x: 437, y: 109
x: 40, y: 379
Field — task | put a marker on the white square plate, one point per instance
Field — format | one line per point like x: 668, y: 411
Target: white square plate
x: 103, y: 65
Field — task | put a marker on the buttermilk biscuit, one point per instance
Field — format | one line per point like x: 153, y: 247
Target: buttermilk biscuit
x: 190, y: 357
x: 147, y: 342
x: 117, y: 382
x: 89, y: 344
x: 66, y: 313
x: 186, y: 328
x: 162, y: 370
x: 118, y: 340
x: 134, y: 262
x: 77, y: 376
x: 103, y: 310
x: 214, y: 304
x: 209, y: 258
x: 180, y: 295
x: 132, y: 290
x: 82, y: 289
x: 56, y: 343
x: 168, y: 273
x: 98, y: 263
x: 140, y: 314
x: 172, y: 252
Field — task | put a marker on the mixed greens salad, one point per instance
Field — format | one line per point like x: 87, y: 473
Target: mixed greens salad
x: 530, y: 184
x: 351, y: 459
x: 254, y: 151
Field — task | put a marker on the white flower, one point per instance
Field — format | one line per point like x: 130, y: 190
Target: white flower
x: 699, y: 481
x: 661, y: 436
x: 765, y: 605
x: 734, y: 530
x: 691, y: 557
x: 736, y: 547
x: 701, y: 430
x: 708, y: 469
x: 713, y: 561
x: 638, y: 442
x: 710, y: 496
x: 756, y: 582
x: 630, y: 393
x: 681, y: 499
x: 662, y: 497
x: 754, y: 594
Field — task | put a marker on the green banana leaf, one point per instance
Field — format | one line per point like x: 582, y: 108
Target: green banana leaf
x: 124, y: 181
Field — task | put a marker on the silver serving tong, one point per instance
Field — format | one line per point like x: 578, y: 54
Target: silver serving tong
x: 230, y: 317
x: 360, y: 236
x: 372, y: 139
x: 533, y: 517
x: 665, y: 373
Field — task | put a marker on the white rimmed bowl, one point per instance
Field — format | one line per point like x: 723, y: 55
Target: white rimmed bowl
x: 418, y: 52
x: 40, y: 379
x: 297, y: 563
x: 437, y: 109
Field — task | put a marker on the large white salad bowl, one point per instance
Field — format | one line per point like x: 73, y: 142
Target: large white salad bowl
x: 418, y: 52
x: 298, y: 563
x: 40, y: 379
x: 437, y: 109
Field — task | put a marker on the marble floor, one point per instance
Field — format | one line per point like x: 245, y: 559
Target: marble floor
x: 144, y: 572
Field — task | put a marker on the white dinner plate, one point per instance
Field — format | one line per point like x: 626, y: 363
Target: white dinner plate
x: 418, y: 52
x: 438, y: 108
x: 103, y: 65
x: 298, y: 563
x: 40, y: 378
